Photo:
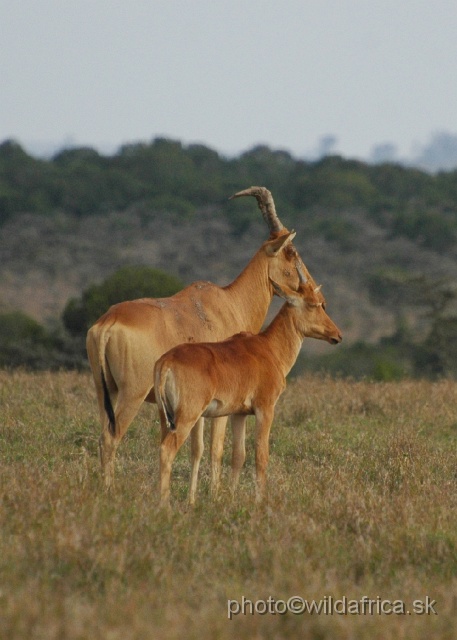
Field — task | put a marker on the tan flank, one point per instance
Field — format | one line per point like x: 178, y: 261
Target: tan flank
x: 125, y: 343
x: 243, y: 375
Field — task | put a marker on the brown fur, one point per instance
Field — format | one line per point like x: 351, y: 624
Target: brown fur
x: 125, y: 343
x: 242, y: 375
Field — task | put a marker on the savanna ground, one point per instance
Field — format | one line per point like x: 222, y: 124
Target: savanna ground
x: 362, y: 502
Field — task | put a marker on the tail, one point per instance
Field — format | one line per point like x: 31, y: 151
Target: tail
x: 161, y: 397
x: 108, y: 405
x: 103, y: 341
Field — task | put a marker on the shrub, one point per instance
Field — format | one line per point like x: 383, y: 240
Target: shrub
x: 23, y: 341
x: 128, y: 283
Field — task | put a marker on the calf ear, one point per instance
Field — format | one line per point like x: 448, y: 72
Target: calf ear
x: 285, y: 292
x: 273, y: 246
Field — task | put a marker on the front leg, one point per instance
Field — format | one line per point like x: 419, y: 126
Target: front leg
x: 264, y: 418
x: 196, y: 447
x: 238, y: 448
x: 218, y: 426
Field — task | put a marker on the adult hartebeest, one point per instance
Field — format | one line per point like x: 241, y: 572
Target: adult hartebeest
x: 125, y: 343
x: 242, y: 375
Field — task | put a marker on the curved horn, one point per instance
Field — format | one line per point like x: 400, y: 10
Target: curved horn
x: 301, y: 276
x: 266, y: 206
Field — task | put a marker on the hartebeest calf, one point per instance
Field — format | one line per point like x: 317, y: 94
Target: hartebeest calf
x: 242, y: 375
x: 125, y: 343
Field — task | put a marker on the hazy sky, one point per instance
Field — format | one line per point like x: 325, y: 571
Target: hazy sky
x: 229, y: 73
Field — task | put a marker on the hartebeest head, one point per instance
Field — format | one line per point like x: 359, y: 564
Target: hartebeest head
x: 285, y: 260
x: 310, y: 319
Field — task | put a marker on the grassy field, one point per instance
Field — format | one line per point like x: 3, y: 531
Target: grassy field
x: 362, y: 502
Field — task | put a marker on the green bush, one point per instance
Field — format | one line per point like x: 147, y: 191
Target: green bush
x: 437, y: 355
x: 16, y: 327
x: 23, y: 341
x: 382, y: 362
x: 128, y: 283
x: 431, y: 229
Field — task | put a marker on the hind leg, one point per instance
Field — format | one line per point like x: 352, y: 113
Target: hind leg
x: 125, y: 411
x: 106, y: 443
x: 120, y: 382
x: 168, y: 450
x: 107, y: 451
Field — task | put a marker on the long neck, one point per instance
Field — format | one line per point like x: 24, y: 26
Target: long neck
x: 284, y: 338
x: 251, y: 293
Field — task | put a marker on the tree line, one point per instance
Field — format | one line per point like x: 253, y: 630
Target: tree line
x: 166, y: 175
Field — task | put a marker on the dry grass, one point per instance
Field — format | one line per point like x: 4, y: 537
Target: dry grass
x: 362, y: 501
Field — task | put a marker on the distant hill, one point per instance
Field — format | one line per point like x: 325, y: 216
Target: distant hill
x: 73, y: 220
x: 46, y: 260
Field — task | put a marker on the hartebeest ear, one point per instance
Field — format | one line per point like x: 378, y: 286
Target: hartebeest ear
x: 285, y: 292
x: 273, y: 246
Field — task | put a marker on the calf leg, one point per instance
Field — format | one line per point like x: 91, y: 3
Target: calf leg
x: 218, y: 426
x: 168, y: 450
x: 264, y: 418
x: 197, y: 448
x: 238, y: 448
